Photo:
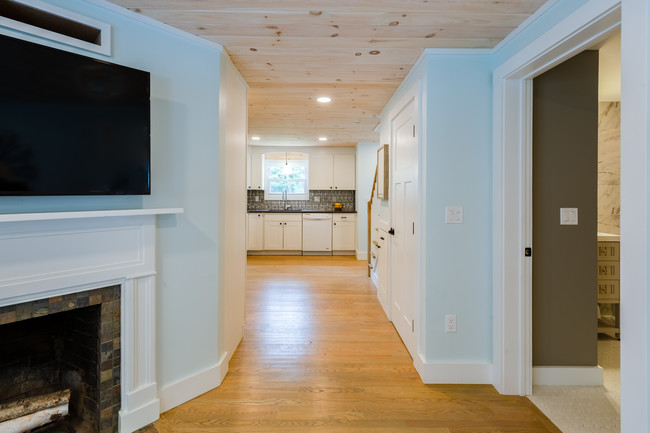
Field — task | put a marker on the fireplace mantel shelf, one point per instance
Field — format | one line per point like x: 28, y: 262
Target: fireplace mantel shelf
x: 44, y: 216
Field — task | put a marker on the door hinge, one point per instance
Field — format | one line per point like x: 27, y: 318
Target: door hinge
x: 413, y: 227
x: 413, y: 325
x: 413, y: 131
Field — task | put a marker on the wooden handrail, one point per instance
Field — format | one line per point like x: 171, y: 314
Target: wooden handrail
x: 372, y: 194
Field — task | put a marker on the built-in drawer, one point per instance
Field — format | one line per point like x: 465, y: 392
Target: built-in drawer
x: 344, y: 217
x: 609, y: 251
x: 608, y: 290
x: 609, y: 270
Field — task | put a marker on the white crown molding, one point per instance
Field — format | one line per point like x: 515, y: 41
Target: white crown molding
x: 104, y: 4
x: 531, y: 19
x: 458, y: 51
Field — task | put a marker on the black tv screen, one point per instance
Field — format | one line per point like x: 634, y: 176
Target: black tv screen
x: 71, y: 125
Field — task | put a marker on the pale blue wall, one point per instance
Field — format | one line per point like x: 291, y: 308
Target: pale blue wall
x: 185, y: 113
x: 366, y: 165
x: 456, y: 110
x: 458, y: 173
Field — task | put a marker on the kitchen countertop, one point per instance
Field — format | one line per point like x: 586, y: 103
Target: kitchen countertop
x: 608, y: 237
x: 299, y: 211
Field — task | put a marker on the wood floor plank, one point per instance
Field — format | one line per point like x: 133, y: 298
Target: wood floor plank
x: 319, y: 355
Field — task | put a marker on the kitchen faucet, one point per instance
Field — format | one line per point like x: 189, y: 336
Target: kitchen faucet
x: 284, y: 199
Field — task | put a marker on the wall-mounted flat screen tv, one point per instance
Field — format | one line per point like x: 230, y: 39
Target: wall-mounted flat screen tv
x: 71, y: 125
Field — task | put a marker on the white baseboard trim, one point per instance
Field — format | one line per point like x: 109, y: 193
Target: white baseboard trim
x: 362, y: 255
x: 460, y: 373
x: 186, y: 389
x: 374, y: 279
x: 140, y: 417
x: 591, y: 376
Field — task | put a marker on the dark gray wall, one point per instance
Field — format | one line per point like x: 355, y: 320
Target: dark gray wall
x: 565, y: 170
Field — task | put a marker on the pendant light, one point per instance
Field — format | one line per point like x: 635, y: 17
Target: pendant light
x: 286, y: 169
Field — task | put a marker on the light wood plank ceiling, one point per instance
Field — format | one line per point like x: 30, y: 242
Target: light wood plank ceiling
x: 356, y: 52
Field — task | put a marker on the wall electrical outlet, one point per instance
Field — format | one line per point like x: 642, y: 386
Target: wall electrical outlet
x: 257, y: 198
x: 316, y: 198
x: 450, y: 323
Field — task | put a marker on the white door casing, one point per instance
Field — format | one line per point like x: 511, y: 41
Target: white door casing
x: 512, y: 205
x: 404, y: 218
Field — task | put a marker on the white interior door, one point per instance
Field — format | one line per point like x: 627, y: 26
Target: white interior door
x: 404, y: 211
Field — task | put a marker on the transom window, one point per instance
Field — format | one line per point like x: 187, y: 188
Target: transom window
x: 289, y: 174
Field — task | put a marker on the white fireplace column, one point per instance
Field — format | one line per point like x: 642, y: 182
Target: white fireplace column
x: 50, y: 254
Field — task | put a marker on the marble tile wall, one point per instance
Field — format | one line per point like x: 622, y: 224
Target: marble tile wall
x: 609, y: 167
x: 326, y: 200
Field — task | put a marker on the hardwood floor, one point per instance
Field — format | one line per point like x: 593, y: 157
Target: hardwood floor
x: 319, y: 355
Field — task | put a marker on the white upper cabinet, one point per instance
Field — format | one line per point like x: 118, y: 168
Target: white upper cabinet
x: 255, y: 175
x: 329, y: 169
x: 321, y: 171
x: 344, y: 171
x: 333, y: 171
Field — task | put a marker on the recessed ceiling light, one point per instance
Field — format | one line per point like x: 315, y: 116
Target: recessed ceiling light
x: 322, y: 138
x: 324, y: 99
x: 255, y: 138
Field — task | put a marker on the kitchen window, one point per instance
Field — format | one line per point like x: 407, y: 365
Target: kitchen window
x: 287, y: 174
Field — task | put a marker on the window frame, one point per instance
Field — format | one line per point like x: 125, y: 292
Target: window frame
x: 268, y: 163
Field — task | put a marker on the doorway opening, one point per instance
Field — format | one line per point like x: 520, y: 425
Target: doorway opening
x: 512, y: 234
x: 575, y: 270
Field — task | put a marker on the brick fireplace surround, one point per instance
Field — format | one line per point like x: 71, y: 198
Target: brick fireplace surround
x: 51, y: 262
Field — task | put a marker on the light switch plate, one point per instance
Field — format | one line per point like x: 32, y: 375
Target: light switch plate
x: 453, y: 215
x: 569, y: 216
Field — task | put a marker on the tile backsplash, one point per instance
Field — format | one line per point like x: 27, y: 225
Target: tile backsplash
x: 322, y: 200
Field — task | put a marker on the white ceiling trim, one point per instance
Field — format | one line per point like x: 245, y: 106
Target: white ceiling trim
x: 156, y: 24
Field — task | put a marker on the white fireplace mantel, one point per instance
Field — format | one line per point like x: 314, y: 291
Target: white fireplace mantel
x: 56, y: 253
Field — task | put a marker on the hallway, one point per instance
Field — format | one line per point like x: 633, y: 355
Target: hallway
x: 319, y: 355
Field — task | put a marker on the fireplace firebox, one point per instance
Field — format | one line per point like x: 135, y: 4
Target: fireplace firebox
x: 66, y: 342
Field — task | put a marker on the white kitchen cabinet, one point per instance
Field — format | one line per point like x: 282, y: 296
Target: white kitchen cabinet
x: 293, y: 235
x: 255, y: 175
x: 321, y: 171
x: 344, y: 231
x: 255, y: 231
x: 609, y: 289
x: 273, y: 233
x: 344, y: 171
x: 283, y: 232
x: 332, y: 172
